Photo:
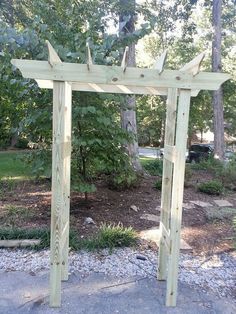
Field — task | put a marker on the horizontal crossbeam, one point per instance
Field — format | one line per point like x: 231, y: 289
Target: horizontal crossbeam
x: 114, y: 75
x: 116, y: 89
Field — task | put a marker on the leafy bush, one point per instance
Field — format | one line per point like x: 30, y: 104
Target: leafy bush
x: 211, y: 164
x: 154, y: 167
x: 158, y: 185
x: 22, y: 143
x: 212, y: 187
x: 123, y: 180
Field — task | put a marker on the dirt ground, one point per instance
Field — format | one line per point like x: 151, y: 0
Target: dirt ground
x: 27, y: 204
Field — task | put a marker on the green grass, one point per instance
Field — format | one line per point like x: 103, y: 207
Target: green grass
x: 109, y: 236
x: 13, y: 166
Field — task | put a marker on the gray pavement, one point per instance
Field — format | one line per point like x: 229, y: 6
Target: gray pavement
x: 28, y: 293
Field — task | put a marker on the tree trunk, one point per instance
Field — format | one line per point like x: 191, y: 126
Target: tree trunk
x: 128, y: 111
x: 218, y: 118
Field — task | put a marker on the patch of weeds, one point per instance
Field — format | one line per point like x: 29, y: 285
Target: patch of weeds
x: 43, y: 234
x: 154, y: 167
x: 13, y: 215
x: 219, y: 214
x: 211, y: 187
x: 7, y: 184
x: 110, y: 236
x: 158, y: 184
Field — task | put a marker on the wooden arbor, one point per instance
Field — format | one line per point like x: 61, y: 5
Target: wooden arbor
x: 179, y: 86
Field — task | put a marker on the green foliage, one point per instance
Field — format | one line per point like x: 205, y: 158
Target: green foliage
x: 188, y: 175
x: 220, y: 214
x: 43, y: 234
x: 154, y: 167
x: 110, y: 236
x: 212, y: 187
x: 158, y: 185
x: 228, y: 175
x: 211, y: 164
x: 124, y: 179
x: 40, y: 162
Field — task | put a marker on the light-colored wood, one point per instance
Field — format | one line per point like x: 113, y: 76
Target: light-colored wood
x: 167, y: 181
x: 66, y: 178
x: 159, y: 65
x: 53, y: 57
x: 117, y: 89
x: 170, y: 153
x: 60, y: 188
x: 89, y: 57
x: 19, y: 242
x: 177, y: 195
x: 165, y: 235
x: 114, y: 75
x: 193, y: 66
x: 125, y: 59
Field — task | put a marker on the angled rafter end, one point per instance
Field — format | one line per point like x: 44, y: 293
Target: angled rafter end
x: 125, y: 59
x: 193, y: 66
x: 89, y: 57
x: 53, y: 57
x: 159, y: 64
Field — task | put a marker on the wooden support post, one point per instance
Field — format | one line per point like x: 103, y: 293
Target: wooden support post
x: 60, y: 189
x: 167, y: 181
x: 177, y: 195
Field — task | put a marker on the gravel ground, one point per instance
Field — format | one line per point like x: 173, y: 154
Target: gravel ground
x: 216, y: 273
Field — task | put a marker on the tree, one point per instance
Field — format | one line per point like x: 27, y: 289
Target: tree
x: 218, y: 116
x: 128, y: 111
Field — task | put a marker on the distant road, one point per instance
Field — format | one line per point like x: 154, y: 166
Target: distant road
x: 149, y: 152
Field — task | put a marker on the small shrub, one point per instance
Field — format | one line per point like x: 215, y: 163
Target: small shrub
x: 228, y: 175
x: 211, y: 164
x: 158, y: 185
x: 154, y: 167
x: 110, y: 236
x: 220, y: 214
x: 212, y: 187
x: 123, y: 180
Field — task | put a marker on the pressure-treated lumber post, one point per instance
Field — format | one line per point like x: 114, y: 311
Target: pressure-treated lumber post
x: 167, y: 181
x: 60, y: 189
x: 177, y: 195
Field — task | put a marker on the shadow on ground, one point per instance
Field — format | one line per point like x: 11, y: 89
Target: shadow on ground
x: 24, y: 293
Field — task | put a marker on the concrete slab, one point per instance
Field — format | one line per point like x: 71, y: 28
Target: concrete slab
x: 150, y: 217
x: 223, y: 203
x: 153, y: 234
x: 201, y: 204
x: 97, y: 294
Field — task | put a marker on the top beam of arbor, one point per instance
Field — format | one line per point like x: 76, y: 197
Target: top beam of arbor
x: 115, y: 76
